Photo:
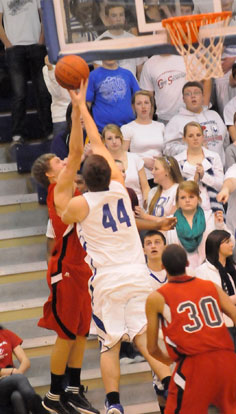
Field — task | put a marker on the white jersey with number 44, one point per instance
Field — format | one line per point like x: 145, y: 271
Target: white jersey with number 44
x: 109, y: 233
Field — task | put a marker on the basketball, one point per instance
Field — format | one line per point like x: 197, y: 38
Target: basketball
x: 70, y: 70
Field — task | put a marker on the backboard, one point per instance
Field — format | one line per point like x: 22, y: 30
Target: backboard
x: 78, y: 26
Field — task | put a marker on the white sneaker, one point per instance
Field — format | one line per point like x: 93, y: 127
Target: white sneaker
x: 17, y: 138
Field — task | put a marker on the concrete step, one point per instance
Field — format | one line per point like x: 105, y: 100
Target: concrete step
x: 21, y: 255
x: 13, y: 186
x: 6, y: 200
x: 22, y: 220
x: 23, y: 290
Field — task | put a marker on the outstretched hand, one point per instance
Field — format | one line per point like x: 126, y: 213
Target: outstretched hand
x: 167, y: 223
x: 78, y: 98
x: 223, y: 195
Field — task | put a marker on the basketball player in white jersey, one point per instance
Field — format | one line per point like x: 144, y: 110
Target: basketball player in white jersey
x: 119, y: 285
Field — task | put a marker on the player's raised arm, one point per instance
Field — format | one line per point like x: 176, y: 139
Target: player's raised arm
x: 65, y: 184
x: 96, y: 143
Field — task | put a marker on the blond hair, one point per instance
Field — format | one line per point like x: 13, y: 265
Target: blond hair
x: 114, y: 129
x: 194, y: 124
x: 172, y: 167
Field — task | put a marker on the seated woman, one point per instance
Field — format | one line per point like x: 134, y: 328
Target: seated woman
x: 143, y: 136
x: 133, y: 164
x: 15, y: 389
x: 161, y: 199
x: 193, y: 223
x: 201, y: 165
x: 219, y: 268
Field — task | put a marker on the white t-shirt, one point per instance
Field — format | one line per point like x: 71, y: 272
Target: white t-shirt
x: 231, y: 214
x: 60, y: 96
x: 145, y: 140
x: 21, y: 21
x: 229, y: 111
x: 166, y: 76
x: 166, y: 201
x: 109, y: 232
x: 135, y: 164
x: 130, y: 64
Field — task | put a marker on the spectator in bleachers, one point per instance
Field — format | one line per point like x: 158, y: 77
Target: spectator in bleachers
x: 161, y: 199
x: 60, y: 98
x: 215, y: 131
x: 228, y: 194
x: 193, y: 223
x: 135, y: 176
x: 143, y: 136
x: 82, y: 20
x: 109, y: 94
x: 23, y: 37
x: 199, y: 164
x: 219, y: 268
x: 224, y: 90
x: 230, y: 152
x: 17, y: 396
x: 116, y: 17
x: 164, y: 76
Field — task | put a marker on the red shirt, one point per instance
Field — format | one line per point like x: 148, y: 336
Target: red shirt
x: 192, y: 322
x: 68, y: 246
x: 8, y: 342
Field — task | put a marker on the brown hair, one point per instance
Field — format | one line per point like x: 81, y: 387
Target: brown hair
x: 40, y: 167
x: 171, y: 165
x: 112, y: 6
x: 194, y: 124
x: 96, y: 173
x: 114, y: 129
x: 190, y: 187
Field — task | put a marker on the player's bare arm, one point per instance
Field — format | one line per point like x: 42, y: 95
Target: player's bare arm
x: 96, y: 143
x: 65, y: 186
x: 228, y: 187
x: 226, y: 304
x: 162, y: 223
x: 154, y: 306
x: 76, y: 210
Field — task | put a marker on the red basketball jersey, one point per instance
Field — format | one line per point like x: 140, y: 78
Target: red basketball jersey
x: 192, y: 322
x: 67, y: 245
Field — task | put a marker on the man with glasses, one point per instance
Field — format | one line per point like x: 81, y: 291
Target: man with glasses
x: 215, y: 131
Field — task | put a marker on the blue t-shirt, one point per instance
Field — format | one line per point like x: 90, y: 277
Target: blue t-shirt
x: 111, y: 91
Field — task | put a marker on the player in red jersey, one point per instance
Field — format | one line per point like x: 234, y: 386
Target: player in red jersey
x: 196, y: 338
x: 68, y: 308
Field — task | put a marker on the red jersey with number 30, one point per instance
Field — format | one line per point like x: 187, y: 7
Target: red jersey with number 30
x: 192, y: 320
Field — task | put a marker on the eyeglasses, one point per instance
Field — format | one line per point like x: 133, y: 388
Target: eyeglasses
x: 195, y: 93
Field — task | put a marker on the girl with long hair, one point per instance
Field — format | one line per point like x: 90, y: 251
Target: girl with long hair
x: 143, y: 136
x: 219, y: 268
x: 161, y: 199
x: 199, y: 164
x: 133, y: 164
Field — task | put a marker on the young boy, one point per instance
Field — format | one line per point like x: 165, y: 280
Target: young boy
x: 109, y: 94
x: 116, y: 16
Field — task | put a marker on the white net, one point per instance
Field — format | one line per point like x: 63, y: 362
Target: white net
x: 202, y: 58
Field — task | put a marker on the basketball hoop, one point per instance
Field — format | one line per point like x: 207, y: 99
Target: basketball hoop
x: 199, y: 39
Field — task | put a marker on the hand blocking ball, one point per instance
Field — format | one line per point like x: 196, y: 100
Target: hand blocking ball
x: 70, y: 70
